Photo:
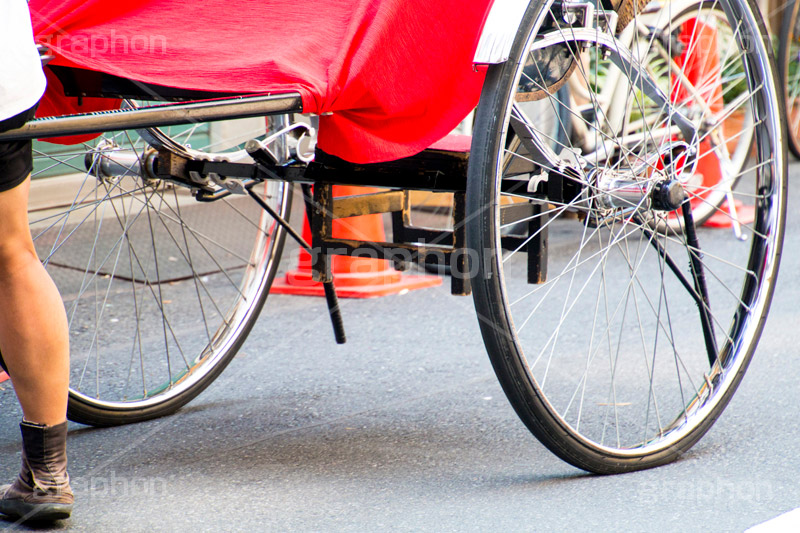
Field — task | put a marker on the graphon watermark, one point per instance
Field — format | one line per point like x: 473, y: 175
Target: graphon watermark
x: 719, y: 493
x: 461, y: 263
x: 111, y: 43
x: 112, y: 485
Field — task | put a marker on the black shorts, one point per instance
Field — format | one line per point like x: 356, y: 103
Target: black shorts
x: 16, y: 157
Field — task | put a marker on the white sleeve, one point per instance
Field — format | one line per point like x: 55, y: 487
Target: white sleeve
x: 22, y: 81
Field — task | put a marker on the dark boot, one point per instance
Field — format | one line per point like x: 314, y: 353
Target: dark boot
x: 41, y: 492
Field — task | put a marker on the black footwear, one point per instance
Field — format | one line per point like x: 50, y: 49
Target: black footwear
x: 41, y: 492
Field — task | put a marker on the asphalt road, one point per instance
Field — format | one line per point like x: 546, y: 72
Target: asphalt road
x: 405, y: 428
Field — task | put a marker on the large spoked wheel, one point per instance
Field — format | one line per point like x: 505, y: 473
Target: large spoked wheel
x: 789, y: 71
x: 618, y: 337
x: 160, y: 290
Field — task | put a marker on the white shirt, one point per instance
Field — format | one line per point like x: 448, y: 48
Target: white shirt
x: 22, y: 81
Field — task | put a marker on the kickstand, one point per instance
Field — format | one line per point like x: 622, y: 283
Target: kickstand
x: 327, y: 282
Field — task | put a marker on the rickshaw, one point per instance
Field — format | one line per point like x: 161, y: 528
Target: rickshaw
x: 618, y: 322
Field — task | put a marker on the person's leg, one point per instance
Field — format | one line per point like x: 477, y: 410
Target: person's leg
x: 34, y: 339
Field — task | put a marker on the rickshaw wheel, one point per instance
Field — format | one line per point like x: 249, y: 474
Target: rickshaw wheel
x: 160, y: 290
x: 619, y: 345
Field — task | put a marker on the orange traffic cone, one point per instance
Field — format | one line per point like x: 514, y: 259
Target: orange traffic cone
x: 3, y: 376
x: 353, y: 277
x: 700, y: 63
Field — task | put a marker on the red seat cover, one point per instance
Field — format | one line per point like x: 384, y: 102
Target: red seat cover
x: 397, y: 75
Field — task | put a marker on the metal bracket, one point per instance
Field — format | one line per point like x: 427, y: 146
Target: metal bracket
x: 233, y: 185
x: 622, y: 57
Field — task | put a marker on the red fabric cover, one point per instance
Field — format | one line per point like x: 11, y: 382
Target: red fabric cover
x: 54, y: 102
x: 396, y: 74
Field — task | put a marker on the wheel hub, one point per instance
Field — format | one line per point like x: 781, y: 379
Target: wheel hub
x: 656, y: 184
x: 109, y: 162
x: 667, y: 195
x: 620, y: 189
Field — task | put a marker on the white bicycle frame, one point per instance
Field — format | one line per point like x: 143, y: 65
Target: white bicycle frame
x: 614, y: 103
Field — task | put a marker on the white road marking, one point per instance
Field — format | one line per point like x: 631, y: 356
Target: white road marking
x: 786, y: 522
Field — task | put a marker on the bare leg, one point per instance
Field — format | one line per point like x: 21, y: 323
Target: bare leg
x: 34, y: 337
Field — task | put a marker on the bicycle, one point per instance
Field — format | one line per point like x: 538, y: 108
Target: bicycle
x: 788, y: 56
x: 591, y: 324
